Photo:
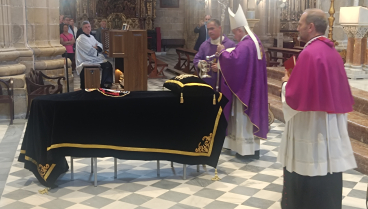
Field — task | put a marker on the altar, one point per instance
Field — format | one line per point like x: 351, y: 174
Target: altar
x: 126, y: 126
x: 138, y: 14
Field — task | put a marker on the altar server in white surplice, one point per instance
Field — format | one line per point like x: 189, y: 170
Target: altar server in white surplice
x: 89, y: 51
x: 315, y: 147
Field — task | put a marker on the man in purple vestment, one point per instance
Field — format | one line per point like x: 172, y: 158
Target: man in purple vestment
x: 209, y: 48
x: 244, y: 83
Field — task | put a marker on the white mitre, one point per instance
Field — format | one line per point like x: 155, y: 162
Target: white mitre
x: 239, y: 20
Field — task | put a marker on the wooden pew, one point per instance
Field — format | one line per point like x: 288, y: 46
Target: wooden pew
x: 298, y: 47
x: 287, y: 53
x: 172, y: 43
x: 37, y: 87
x: 188, y: 53
x: 154, y: 64
x: 270, y: 63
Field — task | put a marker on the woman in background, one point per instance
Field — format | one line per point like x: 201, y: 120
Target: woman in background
x: 67, y: 40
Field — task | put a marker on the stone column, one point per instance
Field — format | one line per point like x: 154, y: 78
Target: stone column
x: 356, y: 53
x: 251, y: 9
x: 43, y: 36
x: 193, y: 13
x: 364, y: 51
x: 11, y: 34
x: 350, y: 46
x: 359, y: 34
x: 261, y: 29
x: 366, y: 57
x: 29, y: 38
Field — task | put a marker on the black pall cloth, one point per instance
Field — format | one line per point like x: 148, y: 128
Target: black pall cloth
x: 139, y: 126
x: 316, y: 192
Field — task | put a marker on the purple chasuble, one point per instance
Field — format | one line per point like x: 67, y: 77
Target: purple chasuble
x: 246, y: 76
x: 208, y: 49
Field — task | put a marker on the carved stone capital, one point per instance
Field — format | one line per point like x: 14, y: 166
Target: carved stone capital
x: 347, y: 30
x: 358, y: 32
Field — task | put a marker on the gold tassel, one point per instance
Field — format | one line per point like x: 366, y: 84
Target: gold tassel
x: 216, y: 178
x: 44, y: 191
x: 214, y: 99
x: 181, y: 98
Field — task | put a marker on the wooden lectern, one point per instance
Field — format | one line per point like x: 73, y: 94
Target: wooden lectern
x: 130, y: 48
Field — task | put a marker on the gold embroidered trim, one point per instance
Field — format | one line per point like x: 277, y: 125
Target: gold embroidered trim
x: 181, y: 77
x: 139, y: 149
x: 44, y: 171
x: 204, y: 148
x: 188, y: 84
x: 49, y: 171
x: 246, y: 106
x: 220, y: 97
x: 22, y: 152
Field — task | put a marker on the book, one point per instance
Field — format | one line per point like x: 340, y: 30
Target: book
x: 290, y: 64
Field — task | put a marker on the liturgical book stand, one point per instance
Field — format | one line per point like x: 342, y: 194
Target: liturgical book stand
x: 129, y: 48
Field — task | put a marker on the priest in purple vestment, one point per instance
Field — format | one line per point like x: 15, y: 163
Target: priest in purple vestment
x: 244, y: 83
x: 209, y: 47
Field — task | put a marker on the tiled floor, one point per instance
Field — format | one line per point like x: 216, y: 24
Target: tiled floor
x: 245, y: 184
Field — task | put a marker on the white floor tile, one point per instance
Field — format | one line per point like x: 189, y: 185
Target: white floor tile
x: 158, y: 203
x: 151, y: 191
x: 76, y: 197
x: 187, y: 189
x: 268, y: 195
x: 221, y: 186
x: 255, y: 184
x: 196, y: 201
x: 118, y: 205
x: 354, y: 202
x: 37, y: 199
x: 233, y: 198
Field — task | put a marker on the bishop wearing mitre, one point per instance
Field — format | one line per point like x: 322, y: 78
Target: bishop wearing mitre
x: 244, y: 83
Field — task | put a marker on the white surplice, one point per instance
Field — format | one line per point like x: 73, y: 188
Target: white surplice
x: 86, y: 54
x: 315, y: 143
x: 240, y: 136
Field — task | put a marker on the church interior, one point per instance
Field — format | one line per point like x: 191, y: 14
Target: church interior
x: 44, y: 163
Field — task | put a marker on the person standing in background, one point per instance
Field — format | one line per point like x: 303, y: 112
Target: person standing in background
x: 74, y: 28
x: 67, y: 40
x: 209, y: 47
x: 201, y: 29
x: 99, y: 30
x: 61, y: 18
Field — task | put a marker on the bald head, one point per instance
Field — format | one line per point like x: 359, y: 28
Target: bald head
x: 318, y: 18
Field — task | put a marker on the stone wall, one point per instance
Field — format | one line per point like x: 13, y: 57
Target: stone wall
x: 171, y: 21
x: 179, y: 23
x: 30, y: 40
x: 12, y: 48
